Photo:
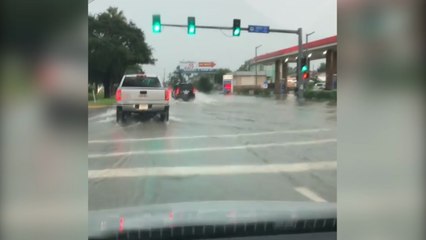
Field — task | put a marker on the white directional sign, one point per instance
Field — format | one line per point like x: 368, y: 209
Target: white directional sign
x: 188, y: 66
x: 191, y: 66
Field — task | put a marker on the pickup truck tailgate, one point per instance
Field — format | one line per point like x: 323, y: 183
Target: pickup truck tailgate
x: 142, y: 95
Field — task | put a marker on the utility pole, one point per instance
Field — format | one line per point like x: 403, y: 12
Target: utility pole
x: 308, y: 62
x: 255, y: 61
x: 299, y: 67
x: 164, y: 75
x: 307, y: 36
x: 306, y: 52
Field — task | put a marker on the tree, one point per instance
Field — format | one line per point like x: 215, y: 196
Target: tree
x: 134, y: 69
x: 321, y: 68
x: 204, y: 84
x: 245, y: 66
x: 114, y: 45
x: 218, y: 76
x: 292, y: 70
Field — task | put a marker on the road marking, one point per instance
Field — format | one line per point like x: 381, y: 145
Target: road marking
x: 309, y: 194
x: 206, y: 149
x: 213, y: 170
x: 209, y: 136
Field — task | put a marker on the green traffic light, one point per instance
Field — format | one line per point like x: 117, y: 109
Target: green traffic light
x: 236, y: 28
x: 237, y: 32
x: 304, y: 68
x: 191, y: 30
x: 156, y: 24
x: 191, y: 26
x: 157, y: 28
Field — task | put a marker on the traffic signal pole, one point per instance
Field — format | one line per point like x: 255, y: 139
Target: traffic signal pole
x: 300, y: 84
x: 299, y: 55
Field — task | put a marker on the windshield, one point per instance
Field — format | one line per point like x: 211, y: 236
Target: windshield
x: 242, y: 115
x: 141, y: 81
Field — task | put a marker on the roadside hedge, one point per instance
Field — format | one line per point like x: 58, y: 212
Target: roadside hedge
x: 254, y: 91
x: 321, y: 95
x: 204, y: 85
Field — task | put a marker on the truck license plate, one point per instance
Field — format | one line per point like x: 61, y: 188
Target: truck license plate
x: 143, y: 107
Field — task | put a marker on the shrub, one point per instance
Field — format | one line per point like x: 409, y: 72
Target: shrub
x: 204, y: 85
x: 321, y: 95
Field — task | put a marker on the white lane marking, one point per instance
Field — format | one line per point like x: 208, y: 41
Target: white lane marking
x: 309, y: 194
x: 205, y: 149
x: 209, y: 136
x: 212, y: 170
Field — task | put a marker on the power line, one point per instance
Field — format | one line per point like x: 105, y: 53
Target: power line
x: 224, y: 34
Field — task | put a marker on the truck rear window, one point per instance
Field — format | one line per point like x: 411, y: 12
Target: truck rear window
x: 140, y: 81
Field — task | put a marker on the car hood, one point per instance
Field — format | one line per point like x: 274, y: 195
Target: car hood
x: 160, y: 216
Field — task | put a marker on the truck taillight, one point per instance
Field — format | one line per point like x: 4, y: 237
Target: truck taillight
x: 167, y: 95
x: 118, y: 95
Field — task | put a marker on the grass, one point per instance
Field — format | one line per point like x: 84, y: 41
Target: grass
x: 100, y: 100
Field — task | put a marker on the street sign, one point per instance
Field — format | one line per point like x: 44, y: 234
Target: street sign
x: 206, y: 64
x: 258, y: 29
x: 194, y: 67
x: 187, y: 66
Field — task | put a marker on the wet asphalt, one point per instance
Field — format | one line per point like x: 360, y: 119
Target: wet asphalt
x: 212, y: 149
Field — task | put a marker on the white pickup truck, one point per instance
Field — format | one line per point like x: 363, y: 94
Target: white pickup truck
x: 143, y: 94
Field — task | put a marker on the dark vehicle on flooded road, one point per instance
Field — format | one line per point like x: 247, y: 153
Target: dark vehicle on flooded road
x: 184, y: 91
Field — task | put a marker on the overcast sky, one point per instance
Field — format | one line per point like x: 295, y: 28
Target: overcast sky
x: 173, y: 45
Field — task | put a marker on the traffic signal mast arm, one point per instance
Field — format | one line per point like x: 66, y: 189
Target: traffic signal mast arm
x: 228, y: 28
x: 299, y: 54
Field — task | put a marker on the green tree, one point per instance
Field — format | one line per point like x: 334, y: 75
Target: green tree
x: 292, y: 70
x: 134, y: 69
x: 245, y: 66
x: 218, y: 76
x: 321, y: 67
x: 114, y: 45
x: 204, y: 84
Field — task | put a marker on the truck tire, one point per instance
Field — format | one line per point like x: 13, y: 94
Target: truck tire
x: 164, y: 117
x: 119, y: 115
x: 185, y: 97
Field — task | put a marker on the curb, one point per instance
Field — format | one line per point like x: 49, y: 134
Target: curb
x: 98, y: 106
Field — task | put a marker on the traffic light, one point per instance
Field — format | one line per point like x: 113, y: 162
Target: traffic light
x: 305, y: 76
x: 191, y: 25
x: 304, y: 65
x: 156, y: 23
x: 305, y: 68
x: 236, y: 29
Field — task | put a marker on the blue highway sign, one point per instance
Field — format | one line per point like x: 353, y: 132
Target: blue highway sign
x: 258, y: 29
